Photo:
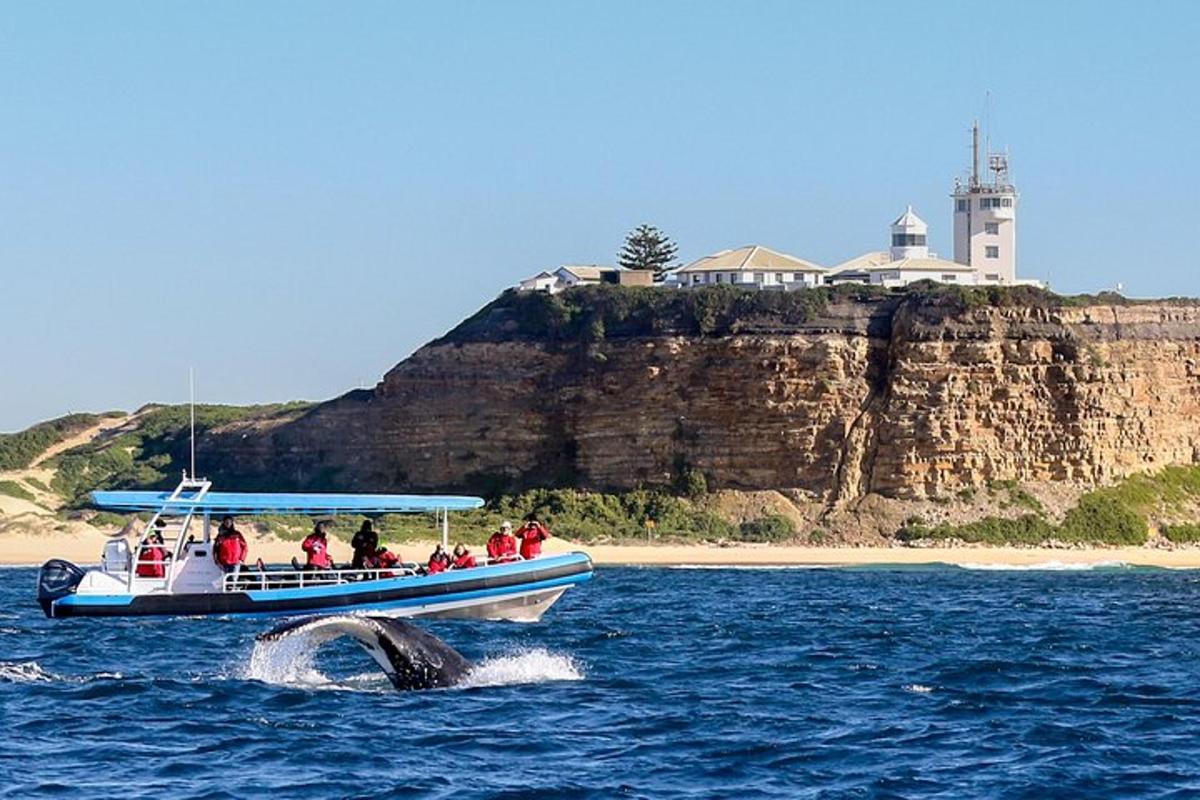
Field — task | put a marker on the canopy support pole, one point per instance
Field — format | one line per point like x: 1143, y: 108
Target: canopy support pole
x: 446, y: 528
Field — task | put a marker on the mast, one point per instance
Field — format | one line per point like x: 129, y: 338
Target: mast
x: 975, y: 153
x: 192, y: 414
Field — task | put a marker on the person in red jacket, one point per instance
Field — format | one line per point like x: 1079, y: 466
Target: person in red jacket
x: 439, y: 560
x: 532, y: 534
x: 152, y: 556
x: 316, y: 548
x: 502, y: 546
x: 229, y: 548
x: 381, y: 559
x: 462, y: 558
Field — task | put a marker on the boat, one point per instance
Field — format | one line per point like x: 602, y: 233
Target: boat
x: 193, y: 584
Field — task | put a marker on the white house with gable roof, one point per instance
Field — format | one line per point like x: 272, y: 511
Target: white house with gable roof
x: 752, y: 266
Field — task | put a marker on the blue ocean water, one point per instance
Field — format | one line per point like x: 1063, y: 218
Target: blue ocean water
x: 657, y: 683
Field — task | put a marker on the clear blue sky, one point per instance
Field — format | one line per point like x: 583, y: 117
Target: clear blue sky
x: 294, y: 196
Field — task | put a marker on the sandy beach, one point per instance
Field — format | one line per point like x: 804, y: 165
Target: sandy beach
x: 83, y: 547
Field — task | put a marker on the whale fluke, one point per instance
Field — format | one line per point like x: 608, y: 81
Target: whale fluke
x: 411, y: 657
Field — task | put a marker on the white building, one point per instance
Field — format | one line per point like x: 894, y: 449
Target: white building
x: 907, y: 261
x: 752, y: 266
x: 985, y: 218
x: 584, y: 275
x: 542, y: 282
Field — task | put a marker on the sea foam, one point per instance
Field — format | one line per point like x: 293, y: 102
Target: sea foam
x: 1048, y: 566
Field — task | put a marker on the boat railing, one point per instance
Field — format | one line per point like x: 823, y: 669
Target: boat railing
x: 250, y: 578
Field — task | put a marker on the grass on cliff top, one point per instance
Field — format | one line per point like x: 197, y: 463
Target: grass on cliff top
x: 150, y: 455
x: 18, y: 450
x: 597, y: 313
x: 1114, y: 515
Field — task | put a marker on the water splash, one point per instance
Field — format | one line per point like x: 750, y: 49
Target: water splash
x: 24, y: 672
x: 527, y: 666
x: 917, y: 688
x: 285, y: 662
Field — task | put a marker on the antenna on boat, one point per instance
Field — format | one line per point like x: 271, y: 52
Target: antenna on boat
x: 192, y: 414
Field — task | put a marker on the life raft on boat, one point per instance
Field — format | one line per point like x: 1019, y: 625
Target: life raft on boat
x: 194, y: 585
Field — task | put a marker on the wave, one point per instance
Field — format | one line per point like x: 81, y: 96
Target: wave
x: 536, y: 665
x: 33, y: 672
x: 1049, y: 566
x: 755, y: 566
x: 25, y: 672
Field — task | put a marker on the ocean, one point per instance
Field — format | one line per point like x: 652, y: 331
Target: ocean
x: 935, y: 682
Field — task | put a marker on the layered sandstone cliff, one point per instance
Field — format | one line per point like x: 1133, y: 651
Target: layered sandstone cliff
x: 905, y: 397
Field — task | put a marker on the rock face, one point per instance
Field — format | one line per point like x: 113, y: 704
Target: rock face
x: 902, y: 397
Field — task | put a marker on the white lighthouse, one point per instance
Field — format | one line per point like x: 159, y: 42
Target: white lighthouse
x: 985, y: 218
x: 909, y: 234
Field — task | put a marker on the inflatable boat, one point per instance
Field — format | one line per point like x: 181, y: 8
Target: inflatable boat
x: 193, y: 584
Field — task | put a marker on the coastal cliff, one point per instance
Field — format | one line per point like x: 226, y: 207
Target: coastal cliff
x: 830, y: 396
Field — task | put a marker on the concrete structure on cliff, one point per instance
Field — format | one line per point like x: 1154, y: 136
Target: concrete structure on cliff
x: 571, y: 275
x: 985, y: 247
x: 907, y: 261
x: 985, y: 218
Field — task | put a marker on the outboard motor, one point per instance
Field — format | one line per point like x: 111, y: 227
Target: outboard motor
x: 57, y: 578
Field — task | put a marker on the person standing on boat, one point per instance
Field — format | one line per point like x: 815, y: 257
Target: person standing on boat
x: 365, y: 544
x: 532, y: 534
x: 503, y: 545
x: 462, y: 557
x: 316, y: 548
x: 152, y: 556
x: 439, y: 560
x: 229, y: 548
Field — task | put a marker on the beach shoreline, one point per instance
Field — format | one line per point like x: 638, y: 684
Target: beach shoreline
x: 83, y: 547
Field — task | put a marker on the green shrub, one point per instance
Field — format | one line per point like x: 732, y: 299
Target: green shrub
x: 771, y: 528
x: 37, y: 484
x: 1027, y: 530
x: 694, y: 485
x: 150, y: 455
x: 14, y: 489
x: 107, y: 519
x: 1184, y: 533
x: 18, y: 450
x: 1103, y: 518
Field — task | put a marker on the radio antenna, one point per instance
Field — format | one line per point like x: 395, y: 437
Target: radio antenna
x: 192, y: 414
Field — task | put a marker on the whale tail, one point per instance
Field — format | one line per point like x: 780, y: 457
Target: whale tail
x: 412, y: 658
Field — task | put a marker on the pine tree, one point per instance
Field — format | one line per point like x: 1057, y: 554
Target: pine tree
x: 647, y: 248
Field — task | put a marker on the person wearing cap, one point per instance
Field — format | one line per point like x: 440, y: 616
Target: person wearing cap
x: 462, y: 557
x: 439, y: 560
x: 532, y: 534
x: 502, y: 546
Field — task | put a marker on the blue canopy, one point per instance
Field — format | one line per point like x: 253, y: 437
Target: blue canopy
x: 255, y: 503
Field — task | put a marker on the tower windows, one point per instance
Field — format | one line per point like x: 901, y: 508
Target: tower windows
x: 962, y: 205
x: 991, y: 251
x: 991, y: 227
x: 908, y: 240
